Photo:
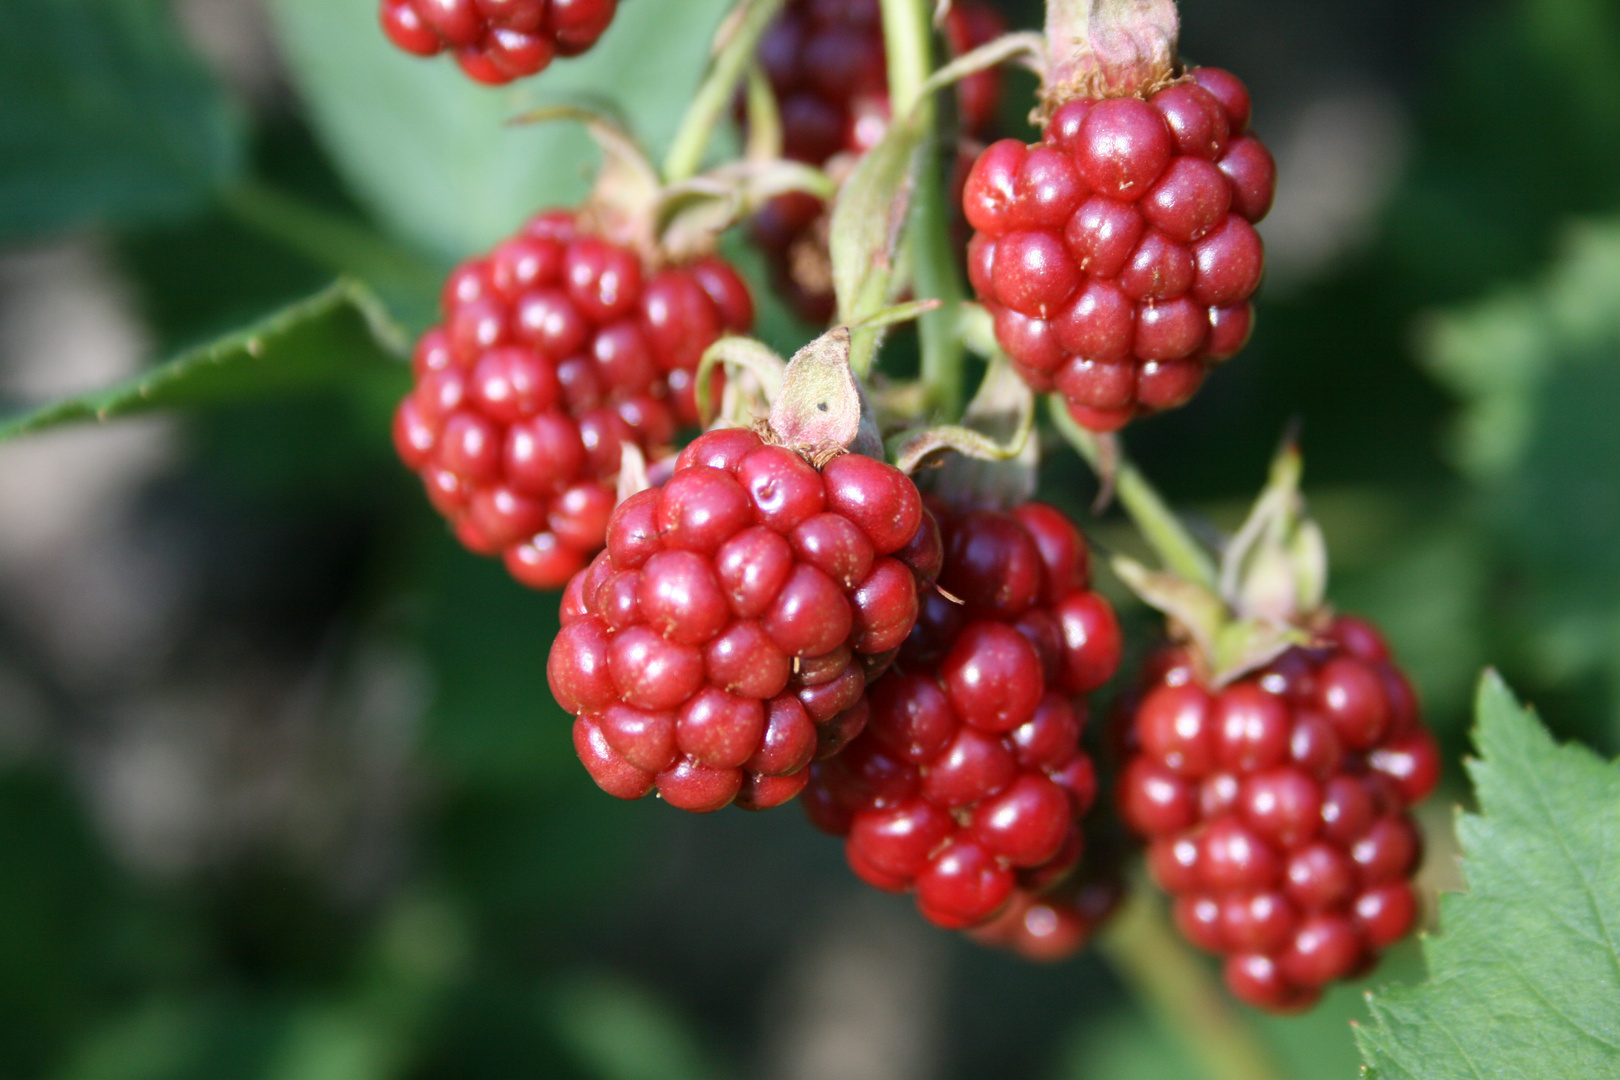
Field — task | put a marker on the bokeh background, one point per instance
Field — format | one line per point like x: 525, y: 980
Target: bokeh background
x: 282, y: 791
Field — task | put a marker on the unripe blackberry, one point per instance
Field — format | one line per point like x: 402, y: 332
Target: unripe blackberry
x: 725, y: 637
x: 826, y: 63
x: 1276, y: 809
x: 1118, y: 254
x: 496, y: 41
x: 969, y: 782
x: 556, y: 349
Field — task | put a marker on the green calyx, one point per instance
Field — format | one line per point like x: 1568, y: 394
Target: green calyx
x: 1268, y: 592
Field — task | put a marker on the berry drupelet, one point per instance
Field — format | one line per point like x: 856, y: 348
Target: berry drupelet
x: 826, y: 64
x: 725, y: 637
x: 1118, y: 254
x: 496, y: 41
x: 969, y: 783
x: 1277, y: 809
x: 556, y: 349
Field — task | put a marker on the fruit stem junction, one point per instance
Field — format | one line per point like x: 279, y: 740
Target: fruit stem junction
x: 1108, y: 48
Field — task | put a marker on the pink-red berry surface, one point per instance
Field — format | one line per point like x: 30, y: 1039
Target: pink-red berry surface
x: 968, y: 785
x: 1118, y: 255
x: 496, y: 41
x: 826, y: 63
x: 1276, y: 810
x: 724, y: 639
x: 556, y: 349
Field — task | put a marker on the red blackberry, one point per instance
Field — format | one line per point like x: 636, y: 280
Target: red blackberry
x: 556, y: 349
x: 1118, y: 254
x: 826, y: 63
x: 725, y: 637
x: 969, y: 782
x: 1276, y: 809
x: 496, y: 41
x: 1055, y: 922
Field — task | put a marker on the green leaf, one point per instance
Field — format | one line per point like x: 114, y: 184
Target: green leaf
x: 866, y: 224
x: 105, y: 118
x: 431, y: 151
x: 1524, y: 979
x: 339, y: 335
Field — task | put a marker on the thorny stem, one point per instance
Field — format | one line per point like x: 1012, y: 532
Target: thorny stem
x: 1177, y: 988
x: 745, y: 24
x: 908, y: 40
x: 1158, y: 524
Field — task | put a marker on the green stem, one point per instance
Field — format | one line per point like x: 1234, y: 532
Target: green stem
x: 1177, y: 989
x: 1158, y: 524
x: 908, y: 39
x: 742, y: 29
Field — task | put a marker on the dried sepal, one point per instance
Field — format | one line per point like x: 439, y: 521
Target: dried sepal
x: 754, y: 379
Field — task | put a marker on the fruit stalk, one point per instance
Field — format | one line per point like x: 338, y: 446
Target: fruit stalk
x: 1153, y: 518
x: 1108, y: 48
x: 738, y: 39
x: 908, y: 44
x: 1176, y: 987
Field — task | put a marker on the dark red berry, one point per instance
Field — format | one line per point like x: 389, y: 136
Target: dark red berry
x: 552, y: 355
x: 496, y: 41
x: 827, y: 66
x: 1118, y: 255
x: 1277, y: 809
x: 969, y: 781
x: 724, y: 638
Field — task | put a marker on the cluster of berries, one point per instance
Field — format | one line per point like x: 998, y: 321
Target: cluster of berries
x: 725, y: 637
x: 826, y: 65
x: 774, y: 619
x: 1118, y: 254
x: 556, y: 349
x: 496, y: 41
x: 1277, y: 809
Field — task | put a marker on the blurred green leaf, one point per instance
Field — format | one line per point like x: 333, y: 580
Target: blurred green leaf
x: 105, y: 117
x: 158, y: 1041
x: 618, y: 1031
x: 1524, y: 979
x: 1499, y: 354
x: 339, y: 335
x: 430, y: 151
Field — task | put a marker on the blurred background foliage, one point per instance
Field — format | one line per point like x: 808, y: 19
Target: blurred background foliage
x: 282, y: 791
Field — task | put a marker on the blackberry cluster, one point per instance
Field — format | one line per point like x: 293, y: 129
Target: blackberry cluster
x: 725, y: 638
x: 826, y: 63
x: 496, y: 41
x: 1277, y: 810
x: 556, y: 349
x: 1118, y: 254
x: 969, y: 782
